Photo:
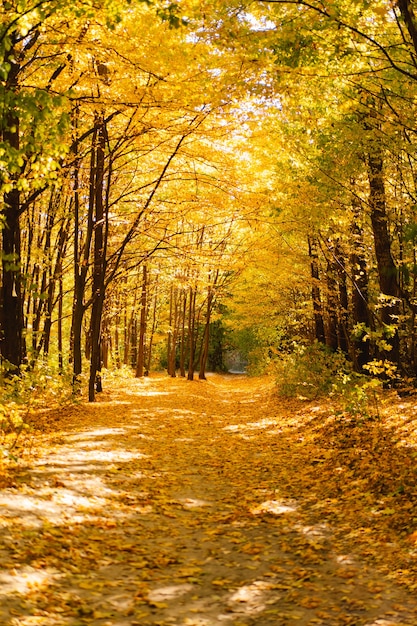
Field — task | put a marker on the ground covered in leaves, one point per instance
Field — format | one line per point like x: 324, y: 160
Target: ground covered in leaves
x: 179, y: 503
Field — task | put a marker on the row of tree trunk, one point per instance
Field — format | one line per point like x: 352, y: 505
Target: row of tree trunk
x: 345, y: 317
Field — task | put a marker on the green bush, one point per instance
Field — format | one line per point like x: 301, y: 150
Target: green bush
x: 35, y: 385
x: 311, y: 372
x: 22, y: 395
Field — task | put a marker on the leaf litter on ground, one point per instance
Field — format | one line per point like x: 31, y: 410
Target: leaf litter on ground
x: 169, y: 502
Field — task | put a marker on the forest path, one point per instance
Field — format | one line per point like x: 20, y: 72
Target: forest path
x: 194, y: 504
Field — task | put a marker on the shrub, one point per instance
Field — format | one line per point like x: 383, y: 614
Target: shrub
x: 310, y: 372
x: 21, y: 396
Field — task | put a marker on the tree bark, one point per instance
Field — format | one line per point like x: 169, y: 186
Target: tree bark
x: 315, y: 291
x: 191, y: 332
x: 409, y: 17
x: 99, y: 268
x: 206, y: 334
x: 343, y: 314
x: 387, y: 270
x: 332, y: 308
x: 53, y: 280
x: 170, y: 331
x: 59, y: 321
x: 140, y: 365
x: 153, y: 328
x: 360, y: 306
x: 206, y: 339
x: 81, y: 261
x: 183, y: 335
x: 11, y: 301
x: 174, y: 331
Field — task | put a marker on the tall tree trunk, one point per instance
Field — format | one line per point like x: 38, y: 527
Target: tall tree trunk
x: 407, y: 12
x: 133, y: 352
x: 130, y: 333
x: 42, y: 276
x: 212, y: 281
x: 191, y: 332
x: 172, y: 364
x: 337, y: 298
x: 12, y: 346
x: 183, y: 336
x: 117, y: 336
x: 153, y: 327
x: 413, y: 338
x: 11, y: 301
x: 59, y: 322
x: 126, y: 336
x: 343, y: 317
x: 81, y: 261
x: 387, y: 271
x: 27, y: 243
x: 315, y: 291
x: 53, y: 280
x: 332, y: 308
x: 360, y: 308
x: 140, y: 365
x: 170, y: 331
x: 99, y: 268
x: 206, y: 338
x: 105, y: 341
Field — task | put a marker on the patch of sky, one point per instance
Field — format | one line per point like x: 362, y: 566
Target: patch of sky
x: 261, y: 23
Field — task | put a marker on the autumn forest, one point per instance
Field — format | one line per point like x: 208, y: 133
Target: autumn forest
x: 208, y: 312
x: 184, y: 181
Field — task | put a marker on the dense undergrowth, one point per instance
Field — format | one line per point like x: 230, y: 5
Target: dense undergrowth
x: 313, y: 372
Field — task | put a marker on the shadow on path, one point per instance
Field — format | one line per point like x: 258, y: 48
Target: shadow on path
x: 198, y: 504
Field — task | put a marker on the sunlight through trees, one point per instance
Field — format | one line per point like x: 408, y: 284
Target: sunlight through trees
x: 184, y: 180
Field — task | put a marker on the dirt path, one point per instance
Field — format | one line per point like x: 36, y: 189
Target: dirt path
x: 186, y: 504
